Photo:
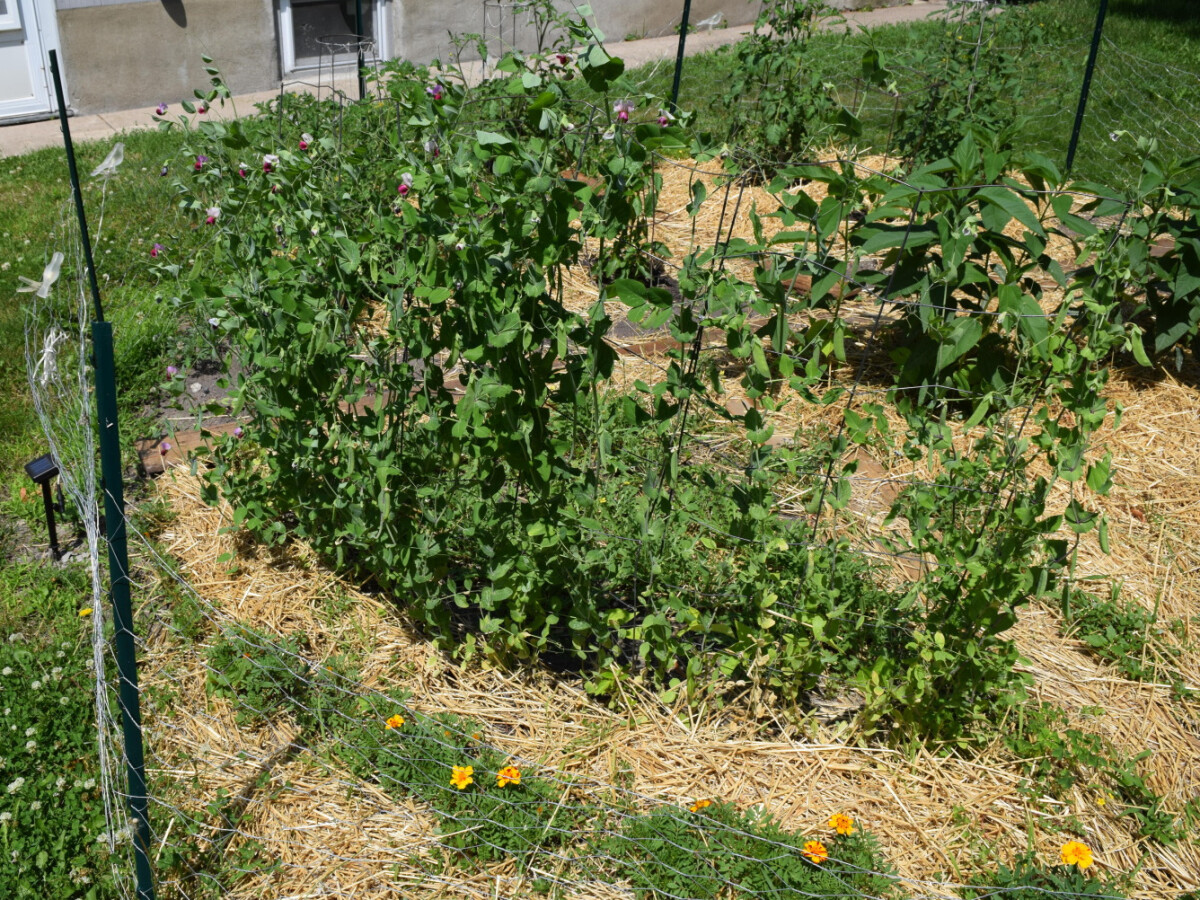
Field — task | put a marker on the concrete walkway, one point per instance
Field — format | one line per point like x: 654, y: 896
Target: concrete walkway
x: 18, y: 139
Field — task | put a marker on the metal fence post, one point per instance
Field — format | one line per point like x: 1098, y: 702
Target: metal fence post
x: 1087, y: 84
x: 683, y: 30
x: 114, y: 517
x: 358, y: 33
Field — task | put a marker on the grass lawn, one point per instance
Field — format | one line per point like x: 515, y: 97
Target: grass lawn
x: 1147, y: 79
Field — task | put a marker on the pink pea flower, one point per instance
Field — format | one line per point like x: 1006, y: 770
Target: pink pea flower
x: 305, y: 140
x: 270, y: 161
x: 237, y: 432
x: 431, y: 147
x: 155, y: 251
x: 435, y: 92
x: 161, y: 109
x: 274, y: 189
x: 405, y: 185
x: 200, y: 161
x: 243, y: 171
x: 172, y: 371
x: 562, y: 58
x: 623, y: 108
x: 202, y: 108
x: 214, y: 213
x: 665, y: 117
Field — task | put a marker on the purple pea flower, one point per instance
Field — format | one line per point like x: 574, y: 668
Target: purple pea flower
x: 200, y: 161
x: 214, y: 213
x: 161, y: 109
x: 405, y: 185
x: 243, y: 171
x: 623, y: 108
x: 270, y: 161
x: 431, y: 147
x: 305, y: 140
x: 202, y: 108
x: 155, y: 251
x: 435, y: 92
x: 162, y: 173
x: 172, y: 371
x: 237, y: 432
x: 164, y: 447
x: 562, y: 58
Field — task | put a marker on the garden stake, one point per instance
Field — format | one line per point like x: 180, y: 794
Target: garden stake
x: 683, y: 29
x: 358, y: 34
x: 1087, y: 84
x: 114, y: 517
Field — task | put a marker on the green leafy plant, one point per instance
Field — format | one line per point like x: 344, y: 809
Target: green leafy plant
x: 1058, y: 757
x: 778, y: 108
x: 1029, y: 879
x: 260, y: 676
x: 490, y: 808
x: 1154, y: 266
x: 972, y: 82
x: 715, y: 850
x: 1124, y: 634
x: 53, y: 838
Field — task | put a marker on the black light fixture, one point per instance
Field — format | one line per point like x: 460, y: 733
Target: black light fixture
x: 42, y: 470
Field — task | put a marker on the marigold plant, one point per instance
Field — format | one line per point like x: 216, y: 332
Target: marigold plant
x: 1075, y: 853
x: 699, y: 805
x: 841, y: 823
x: 395, y: 721
x: 460, y: 777
x: 816, y: 852
x: 508, y: 775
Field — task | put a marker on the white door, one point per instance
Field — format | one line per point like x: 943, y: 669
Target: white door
x: 27, y: 32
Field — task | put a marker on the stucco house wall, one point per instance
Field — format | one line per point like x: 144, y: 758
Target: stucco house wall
x: 130, y: 54
x: 121, y: 54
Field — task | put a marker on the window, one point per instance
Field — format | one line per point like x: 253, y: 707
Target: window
x: 311, y: 32
x: 9, y: 19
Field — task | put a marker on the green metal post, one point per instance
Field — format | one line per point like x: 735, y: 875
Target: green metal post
x: 114, y: 517
x: 358, y: 33
x: 683, y: 30
x: 1087, y: 84
x: 122, y: 605
x: 74, y: 173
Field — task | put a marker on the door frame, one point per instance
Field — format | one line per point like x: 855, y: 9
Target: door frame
x: 39, y: 21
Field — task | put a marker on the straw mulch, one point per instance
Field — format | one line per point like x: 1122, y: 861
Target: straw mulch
x: 932, y: 814
x: 935, y: 816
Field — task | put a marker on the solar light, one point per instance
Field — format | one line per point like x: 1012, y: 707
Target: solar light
x: 42, y: 471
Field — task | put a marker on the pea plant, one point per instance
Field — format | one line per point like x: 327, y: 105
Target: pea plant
x: 424, y: 407
x: 779, y: 109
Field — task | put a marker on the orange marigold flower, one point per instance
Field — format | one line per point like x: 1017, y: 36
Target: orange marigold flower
x: 395, y: 721
x: 1075, y: 853
x: 461, y: 776
x: 841, y: 823
x: 816, y: 852
x: 508, y: 775
x: 699, y: 805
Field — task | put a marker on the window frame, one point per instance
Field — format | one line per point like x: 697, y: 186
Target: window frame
x: 10, y: 19
x: 287, y: 38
